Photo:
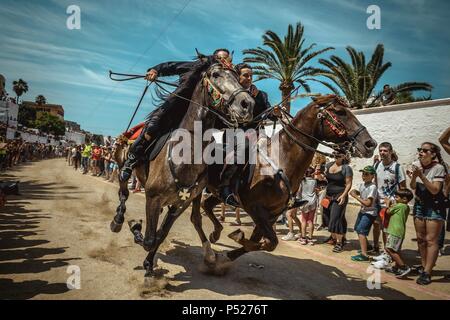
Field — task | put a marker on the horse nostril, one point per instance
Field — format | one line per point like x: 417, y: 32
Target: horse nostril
x: 370, y: 144
x: 244, y: 104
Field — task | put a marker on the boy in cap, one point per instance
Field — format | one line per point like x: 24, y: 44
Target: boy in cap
x: 367, y: 196
x: 398, y: 213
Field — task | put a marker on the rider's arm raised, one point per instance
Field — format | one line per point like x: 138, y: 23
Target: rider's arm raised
x: 172, y: 68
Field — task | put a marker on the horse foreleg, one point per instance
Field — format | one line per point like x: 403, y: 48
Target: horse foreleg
x: 264, y: 221
x: 208, y: 205
x: 136, y: 228
x: 119, y: 218
x: 254, y: 239
x: 152, y: 243
x: 196, y: 219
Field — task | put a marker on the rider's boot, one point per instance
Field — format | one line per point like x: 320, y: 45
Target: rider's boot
x: 225, y: 191
x: 136, y: 152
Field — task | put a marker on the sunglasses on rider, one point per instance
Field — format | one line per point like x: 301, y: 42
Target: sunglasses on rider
x: 423, y: 150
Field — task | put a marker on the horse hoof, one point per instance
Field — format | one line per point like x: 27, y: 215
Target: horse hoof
x: 237, y: 235
x: 115, y: 227
x: 220, y: 267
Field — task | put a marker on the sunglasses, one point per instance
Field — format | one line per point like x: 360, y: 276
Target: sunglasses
x: 423, y: 150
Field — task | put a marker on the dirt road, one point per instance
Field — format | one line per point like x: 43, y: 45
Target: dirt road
x: 62, y: 220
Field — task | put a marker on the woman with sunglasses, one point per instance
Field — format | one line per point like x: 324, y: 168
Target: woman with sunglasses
x: 427, y: 178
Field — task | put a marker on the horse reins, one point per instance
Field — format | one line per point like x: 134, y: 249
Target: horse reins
x: 158, y: 84
x: 332, y: 121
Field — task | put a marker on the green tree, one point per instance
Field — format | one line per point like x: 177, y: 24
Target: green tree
x: 40, y: 100
x: 407, y: 97
x: 26, y: 116
x: 50, y: 124
x: 20, y: 87
x: 284, y: 60
x: 358, y: 80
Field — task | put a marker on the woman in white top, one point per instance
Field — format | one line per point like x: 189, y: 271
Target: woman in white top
x: 427, y: 177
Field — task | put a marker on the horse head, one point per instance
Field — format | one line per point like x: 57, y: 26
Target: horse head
x: 337, y: 124
x: 120, y: 150
x: 226, y: 95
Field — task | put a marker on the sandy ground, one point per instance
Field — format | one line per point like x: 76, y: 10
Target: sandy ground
x: 62, y: 220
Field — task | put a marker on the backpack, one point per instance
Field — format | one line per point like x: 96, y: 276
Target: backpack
x: 397, y: 177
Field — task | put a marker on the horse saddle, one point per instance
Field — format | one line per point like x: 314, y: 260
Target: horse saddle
x: 156, y: 146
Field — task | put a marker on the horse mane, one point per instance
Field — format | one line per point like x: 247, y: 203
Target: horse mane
x: 186, y: 86
x: 321, y: 100
x: 325, y: 99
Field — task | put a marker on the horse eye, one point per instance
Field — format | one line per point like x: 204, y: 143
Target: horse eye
x: 341, y: 113
x: 215, y: 74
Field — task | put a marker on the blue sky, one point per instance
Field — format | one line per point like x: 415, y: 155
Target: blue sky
x: 70, y: 67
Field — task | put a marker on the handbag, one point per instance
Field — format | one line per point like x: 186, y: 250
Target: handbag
x: 325, y: 202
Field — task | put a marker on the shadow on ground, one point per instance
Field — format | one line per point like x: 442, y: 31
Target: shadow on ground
x: 306, y: 278
x: 22, y: 251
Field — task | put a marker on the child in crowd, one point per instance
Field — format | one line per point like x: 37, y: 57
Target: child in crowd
x: 396, y: 231
x: 291, y: 217
x: 367, y: 196
x: 306, y: 192
x: 308, y: 189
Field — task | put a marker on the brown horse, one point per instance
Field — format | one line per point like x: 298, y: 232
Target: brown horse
x: 177, y: 185
x: 267, y: 196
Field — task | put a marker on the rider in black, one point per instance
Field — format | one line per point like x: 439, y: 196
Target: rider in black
x: 169, y: 114
x: 245, y: 73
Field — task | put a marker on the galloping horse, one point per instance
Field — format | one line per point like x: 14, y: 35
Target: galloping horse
x: 266, y: 196
x: 176, y: 185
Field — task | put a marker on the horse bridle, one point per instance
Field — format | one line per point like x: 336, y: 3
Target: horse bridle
x: 328, y: 118
x: 217, y: 96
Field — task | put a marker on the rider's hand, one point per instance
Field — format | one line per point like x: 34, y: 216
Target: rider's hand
x: 151, y: 75
x: 277, y: 111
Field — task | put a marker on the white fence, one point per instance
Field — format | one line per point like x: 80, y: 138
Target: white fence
x: 405, y: 126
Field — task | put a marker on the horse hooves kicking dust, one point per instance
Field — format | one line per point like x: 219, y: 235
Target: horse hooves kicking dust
x: 221, y: 266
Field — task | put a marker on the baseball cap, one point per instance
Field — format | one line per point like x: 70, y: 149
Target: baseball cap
x: 368, y: 169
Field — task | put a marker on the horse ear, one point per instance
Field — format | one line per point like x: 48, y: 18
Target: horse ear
x: 201, y: 56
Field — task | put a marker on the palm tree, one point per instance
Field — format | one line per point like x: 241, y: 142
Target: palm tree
x: 284, y: 61
x: 358, y: 80
x: 19, y: 87
x: 40, y: 100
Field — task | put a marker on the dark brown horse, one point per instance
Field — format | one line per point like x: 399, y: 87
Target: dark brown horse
x: 176, y: 185
x: 328, y: 118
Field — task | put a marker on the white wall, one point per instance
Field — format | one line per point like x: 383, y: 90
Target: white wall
x: 406, y: 126
x: 77, y: 137
x: 9, y: 112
